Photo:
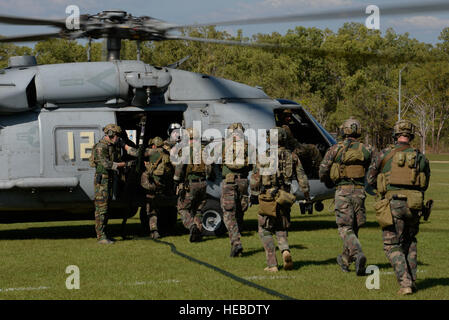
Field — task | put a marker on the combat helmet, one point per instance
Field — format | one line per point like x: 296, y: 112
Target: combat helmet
x: 112, y: 129
x: 286, y: 113
x: 352, y: 128
x: 404, y: 128
x: 157, y: 141
x: 235, y: 129
x: 236, y: 126
x: 173, y: 126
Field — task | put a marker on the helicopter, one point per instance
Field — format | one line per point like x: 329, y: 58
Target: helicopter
x: 51, y: 116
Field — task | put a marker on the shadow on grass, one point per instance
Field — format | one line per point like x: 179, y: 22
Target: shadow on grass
x: 73, y: 232
x: 387, y: 265
x: 299, y: 264
x: 306, y: 225
x: 53, y: 232
x: 225, y: 273
x: 432, y: 282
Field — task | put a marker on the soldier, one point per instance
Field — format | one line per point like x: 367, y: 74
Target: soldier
x: 309, y: 154
x: 158, y: 181
x: 234, y: 187
x: 275, y: 202
x: 190, y: 183
x: 174, y: 133
x: 103, y: 158
x: 344, y: 165
x: 401, y: 174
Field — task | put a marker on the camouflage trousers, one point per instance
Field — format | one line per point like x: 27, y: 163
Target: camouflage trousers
x: 234, y: 202
x: 190, y: 203
x: 102, y: 198
x: 350, y: 216
x: 400, y: 244
x: 277, y: 226
x: 151, y: 205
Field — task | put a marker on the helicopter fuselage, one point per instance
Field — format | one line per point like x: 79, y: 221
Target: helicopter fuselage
x: 51, y: 116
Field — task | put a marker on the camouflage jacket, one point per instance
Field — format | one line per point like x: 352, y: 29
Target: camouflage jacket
x: 281, y: 178
x: 105, y: 153
x: 376, y: 163
x: 334, y: 154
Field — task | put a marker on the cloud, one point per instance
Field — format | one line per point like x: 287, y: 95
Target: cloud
x: 426, y: 22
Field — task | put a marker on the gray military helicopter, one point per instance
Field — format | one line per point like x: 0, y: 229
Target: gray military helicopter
x: 51, y: 116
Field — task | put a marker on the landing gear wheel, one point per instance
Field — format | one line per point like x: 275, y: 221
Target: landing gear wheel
x: 213, y: 224
x: 319, y: 206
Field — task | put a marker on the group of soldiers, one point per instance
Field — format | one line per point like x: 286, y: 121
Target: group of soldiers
x: 400, y: 173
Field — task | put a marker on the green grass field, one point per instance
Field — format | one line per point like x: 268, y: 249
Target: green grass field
x: 34, y: 257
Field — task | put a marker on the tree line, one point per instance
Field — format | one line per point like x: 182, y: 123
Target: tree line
x: 334, y: 75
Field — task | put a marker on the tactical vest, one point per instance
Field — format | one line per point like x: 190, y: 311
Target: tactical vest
x: 284, y: 170
x: 348, y: 163
x: 159, y: 164
x: 230, y: 150
x: 405, y: 170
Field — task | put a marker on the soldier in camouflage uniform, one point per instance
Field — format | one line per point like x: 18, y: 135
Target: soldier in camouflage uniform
x: 344, y: 165
x: 157, y: 179
x: 309, y: 154
x: 271, y: 185
x: 190, y: 182
x: 234, y: 187
x: 173, y: 133
x: 103, y: 158
x: 401, y: 174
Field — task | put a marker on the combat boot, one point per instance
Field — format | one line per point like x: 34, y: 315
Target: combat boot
x: 155, y: 235
x: 405, y: 291
x: 195, y: 234
x: 414, y: 287
x: 343, y: 265
x: 360, y: 262
x: 271, y: 269
x: 288, y: 262
x: 236, y: 251
x: 105, y: 241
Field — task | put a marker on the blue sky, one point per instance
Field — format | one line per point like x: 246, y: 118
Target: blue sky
x: 425, y: 27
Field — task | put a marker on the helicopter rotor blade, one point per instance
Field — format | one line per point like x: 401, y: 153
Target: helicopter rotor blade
x: 219, y: 41
x: 379, y: 57
x: 31, y: 37
x: 31, y: 21
x: 344, y: 13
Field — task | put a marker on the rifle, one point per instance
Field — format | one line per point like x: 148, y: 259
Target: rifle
x: 141, y: 146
